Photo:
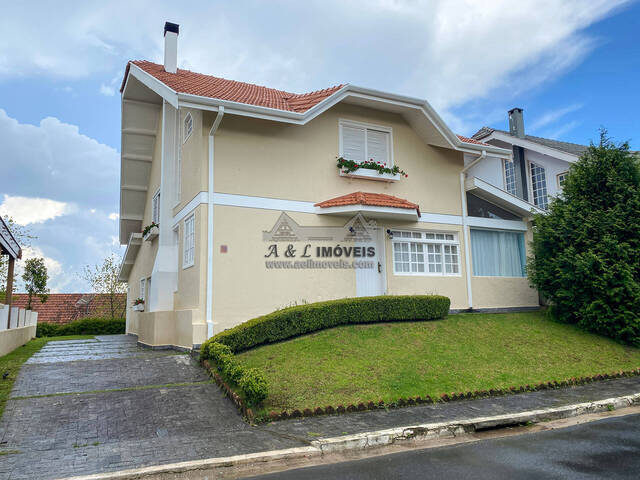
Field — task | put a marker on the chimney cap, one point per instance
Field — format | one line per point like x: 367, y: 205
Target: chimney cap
x: 515, y: 109
x: 171, y: 27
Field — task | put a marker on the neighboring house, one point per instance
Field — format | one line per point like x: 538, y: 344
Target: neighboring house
x: 67, y: 307
x: 539, y: 165
x: 254, y: 214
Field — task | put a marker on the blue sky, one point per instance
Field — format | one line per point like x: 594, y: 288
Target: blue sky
x: 572, y: 65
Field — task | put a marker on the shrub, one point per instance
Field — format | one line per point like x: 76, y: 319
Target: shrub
x: 586, y: 248
x: 250, y: 381
x: 84, y: 326
x: 301, y: 319
x: 253, y: 385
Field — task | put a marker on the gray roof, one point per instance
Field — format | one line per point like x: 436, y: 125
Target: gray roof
x: 571, y: 148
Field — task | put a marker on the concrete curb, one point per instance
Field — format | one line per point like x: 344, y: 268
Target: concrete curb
x: 363, y: 441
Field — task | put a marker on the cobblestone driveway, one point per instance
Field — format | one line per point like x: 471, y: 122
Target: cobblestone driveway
x: 88, y: 406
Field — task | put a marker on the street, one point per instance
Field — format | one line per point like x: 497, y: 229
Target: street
x: 608, y: 448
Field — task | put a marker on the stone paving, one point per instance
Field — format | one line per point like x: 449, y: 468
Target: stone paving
x: 52, y: 428
x: 90, y: 406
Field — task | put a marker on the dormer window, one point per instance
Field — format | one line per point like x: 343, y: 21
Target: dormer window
x: 187, y: 127
x: 360, y: 142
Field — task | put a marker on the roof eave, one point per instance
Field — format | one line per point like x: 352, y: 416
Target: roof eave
x: 207, y: 103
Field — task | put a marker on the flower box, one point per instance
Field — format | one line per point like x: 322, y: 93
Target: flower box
x: 139, y: 307
x: 368, y: 174
x: 151, y: 234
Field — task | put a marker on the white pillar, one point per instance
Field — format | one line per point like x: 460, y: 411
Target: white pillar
x: 164, y: 275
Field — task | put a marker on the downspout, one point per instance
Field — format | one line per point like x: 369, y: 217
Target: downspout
x: 209, y: 308
x: 465, y: 230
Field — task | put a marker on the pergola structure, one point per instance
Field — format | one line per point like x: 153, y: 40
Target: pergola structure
x: 9, y: 246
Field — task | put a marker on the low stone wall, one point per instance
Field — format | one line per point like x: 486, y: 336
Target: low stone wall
x: 15, y: 337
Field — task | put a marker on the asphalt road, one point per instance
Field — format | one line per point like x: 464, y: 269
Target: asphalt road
x: 608, y: 448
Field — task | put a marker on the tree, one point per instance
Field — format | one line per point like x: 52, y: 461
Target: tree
x: 586, y: 249
x: 35, y: 279
x: 23, y: 236
x: 103, y: 278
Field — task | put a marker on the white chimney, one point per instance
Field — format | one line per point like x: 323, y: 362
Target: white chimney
x: 171, y: 31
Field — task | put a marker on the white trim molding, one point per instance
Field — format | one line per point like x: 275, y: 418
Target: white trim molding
x: 298, y: 206
x: 412, y: 106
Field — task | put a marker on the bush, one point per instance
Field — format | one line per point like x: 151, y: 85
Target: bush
x: 84, y: 326
x: 301, y: 319
x: 253, y: 385
x: 586, y: 248
x: 250, y: 381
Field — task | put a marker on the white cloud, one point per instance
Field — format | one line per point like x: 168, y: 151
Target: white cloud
x: 107, y: 90
x: 26, y: 210
x: 58, y: 280
x: 558, y: 132
x: 552, y: 116
x: 448, y: 51
x: 114, y: 216
x: 58, y: 162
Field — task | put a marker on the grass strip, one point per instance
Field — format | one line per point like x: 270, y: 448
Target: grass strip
x: 10, y: 363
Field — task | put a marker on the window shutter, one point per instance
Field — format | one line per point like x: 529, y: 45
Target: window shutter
x: 353, y: 143
x: 378, y: 146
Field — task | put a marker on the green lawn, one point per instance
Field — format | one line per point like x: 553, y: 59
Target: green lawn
x: 466, y: 352
x: 12, y: 362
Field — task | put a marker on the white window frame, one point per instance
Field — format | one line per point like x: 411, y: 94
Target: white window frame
x: 188, y: 260
x: 562, y: 174
x: 155, y: 207
x: 505, y: 179
x: 143, y: 291
x: 425, y: 242
x: 546, y: 186
x: 186, y: 131
x: 366, y: 126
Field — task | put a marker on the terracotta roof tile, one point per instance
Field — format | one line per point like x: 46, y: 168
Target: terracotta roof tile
x: 372, y: 199
x: 66, y: 307
x: 472, y: 140
x: 186, y: 81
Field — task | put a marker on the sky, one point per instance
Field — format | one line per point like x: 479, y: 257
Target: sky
x: 571, y: 65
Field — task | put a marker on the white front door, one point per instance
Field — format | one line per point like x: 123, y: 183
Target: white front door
x: 370, y: 281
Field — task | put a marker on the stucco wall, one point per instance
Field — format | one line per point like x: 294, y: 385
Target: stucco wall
x: 192, y: 280
x: 267, y: 159
x: 243, y: 288
x: 194, y: 161
x: 15, y: 337
x: 490, y: 170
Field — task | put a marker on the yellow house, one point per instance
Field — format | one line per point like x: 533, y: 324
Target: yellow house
x: 234, y: 203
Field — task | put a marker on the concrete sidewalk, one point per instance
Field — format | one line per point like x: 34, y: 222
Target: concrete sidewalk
x: 105, y: 405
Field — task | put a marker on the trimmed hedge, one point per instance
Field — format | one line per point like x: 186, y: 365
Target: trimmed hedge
x: 84, y: 326
x: 301, y: 319
x: 249, y: 380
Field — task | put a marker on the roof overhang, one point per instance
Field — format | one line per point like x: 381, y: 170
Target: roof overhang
x: 371, y: 211
x: 499, y: 197
x: 141, y: 119
x: 130, y: 254
x: 529, y: 145
x: 8, y: 243
x: 418, y: 113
